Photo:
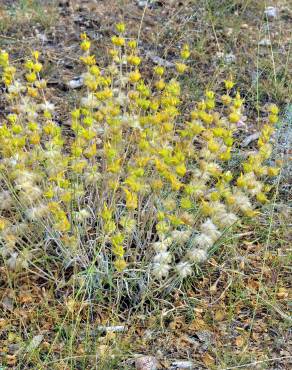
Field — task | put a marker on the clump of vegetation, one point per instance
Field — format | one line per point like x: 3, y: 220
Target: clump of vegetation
x: 136, y: 187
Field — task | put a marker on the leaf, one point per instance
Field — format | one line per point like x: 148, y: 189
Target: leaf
x: 239, y: 341
x: 219, y: 315
x: 34, y: 343
x: 282, y: 293
x: 208, y: 359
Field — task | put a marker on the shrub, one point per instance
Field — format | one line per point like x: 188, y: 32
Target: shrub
x: 136, y: 187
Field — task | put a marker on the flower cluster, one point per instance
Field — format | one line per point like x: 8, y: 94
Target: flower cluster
x: 133, y: 182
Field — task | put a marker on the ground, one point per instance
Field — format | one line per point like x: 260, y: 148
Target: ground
x: 234, y: 313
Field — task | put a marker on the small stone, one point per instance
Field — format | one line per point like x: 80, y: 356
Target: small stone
x: 146, y: 363
x: 271, y: 12
x: 7, y: 303
x: 265, y: 42
x: 157, y: 60
x: 182, y: 365
x: 75, y: 83
x: 34, y: 343
x: 227, y: 58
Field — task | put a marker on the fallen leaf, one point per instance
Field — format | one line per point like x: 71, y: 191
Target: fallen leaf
x: 208, y: 359
x: 219, y: 315
x: 282, y: 293
x: 239, y: 341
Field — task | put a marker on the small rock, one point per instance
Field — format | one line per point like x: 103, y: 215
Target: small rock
x: 112, y: 329
x: 75, y: 83
x: 146, y: 363
x: 42, y: 37
x: 157, y: 60
x: 34, y: 343
x: 205, y: 336
x: 143, y: 3
x: 7, y: 303
x: 250, y: 139
x: 227, y: 58
x: 182, y: 365
x: 265, y: 42
x: 271, y: 12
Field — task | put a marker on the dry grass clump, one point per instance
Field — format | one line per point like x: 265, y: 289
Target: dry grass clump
x: 137, y: 188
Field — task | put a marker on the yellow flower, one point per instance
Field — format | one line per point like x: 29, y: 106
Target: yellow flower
x: 131, y: 199
x: 181, y: 67
x: 31, y: 77
x: 273, y: 171
x: 234, y: 117
x: 134, y: 60
x: 63, y: 225
x: 226, y: 99
x: 185, y: 53
x: 88, y: 60
x: 4, y: 59
x: 120, y: 264
x: 181, y: 169
x: 121, y: 27
x: 134, y: 76
x: 261, y: 197
x: 85, y: 45
x: 37, y: 67
x: 95, y: 71
x: 160, y: 84
x: 273, y: 109
x: 35, y: 54
x: 35, y: 138
x: 3, y: 224
x: 210, y: 94
x: 118, y: 41
x: 229, y: 84
x: 186, y: 203
x: 159, y: 70
x: 132, y: 44
x: 273, y: 118
x: 83, y: 36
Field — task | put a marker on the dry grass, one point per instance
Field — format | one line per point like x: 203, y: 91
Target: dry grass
x: 234, y: 312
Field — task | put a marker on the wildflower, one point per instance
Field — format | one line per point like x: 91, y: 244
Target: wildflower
x: 134, y: 76
x: 273, y: 171
x: 5, y: 200
x: 37, y: 212
x: 228, y: 84
x: 118, y: 41
x: 159, y: 70
x: 88, y: 60
x: 131, y: 199
x: 134, y: 60
x: 234, y: 117
x: 185, y: 52
x: 203, y: 241
x: 85, y: 45
x: 197, y: 255
x: 181, y: 67
x: 163, y: 258
x: 181, y: 237
x: 82, y: 215
x: 208, y: 228
x: 160, y: 270
x: 132, y: 44
x: 120, y: 264
x: 184, y: 269
x: 273, y: 109
x: 121, y: 27
x: 261, y: 197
